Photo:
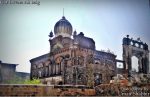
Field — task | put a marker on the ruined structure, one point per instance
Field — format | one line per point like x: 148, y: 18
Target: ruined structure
x: 7, y: 71
x: 138, y: 49
x: 69, y: 57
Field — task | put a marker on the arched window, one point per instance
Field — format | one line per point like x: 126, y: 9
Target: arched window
x: 39, y: 73
x: 57, y: 68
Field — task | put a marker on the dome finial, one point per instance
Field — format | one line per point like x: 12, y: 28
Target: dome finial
x: 63, y: 17
x: 63, y: 12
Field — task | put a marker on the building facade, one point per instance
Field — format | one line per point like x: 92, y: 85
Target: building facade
x: 71, y: 56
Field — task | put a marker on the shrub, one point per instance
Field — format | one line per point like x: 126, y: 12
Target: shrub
x: 33, y: 81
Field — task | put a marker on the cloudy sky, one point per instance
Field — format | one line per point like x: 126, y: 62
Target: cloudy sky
x: 24, y: 28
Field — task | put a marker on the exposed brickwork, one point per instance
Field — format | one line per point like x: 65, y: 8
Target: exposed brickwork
x: 21, y: 90
x: 43, y: 90
x: 122, y: 90
x: 101, y: 90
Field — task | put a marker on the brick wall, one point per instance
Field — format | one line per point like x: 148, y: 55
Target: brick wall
x: 101, y: 90
x: 43, y: 90
x: 123, y: 90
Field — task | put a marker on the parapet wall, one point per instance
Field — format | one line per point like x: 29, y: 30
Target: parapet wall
x: 101, y: 90
x: 43, y: 90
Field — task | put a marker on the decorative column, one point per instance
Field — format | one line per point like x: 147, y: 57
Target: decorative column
x: 140, y: 64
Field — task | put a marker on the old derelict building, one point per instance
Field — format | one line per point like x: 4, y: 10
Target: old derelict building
x: 7, y: 71
x: 71, y: 55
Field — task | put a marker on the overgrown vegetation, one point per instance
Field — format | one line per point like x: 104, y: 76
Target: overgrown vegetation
x: 90, y: 76
x: 19, y: 80
x: 33, y: 81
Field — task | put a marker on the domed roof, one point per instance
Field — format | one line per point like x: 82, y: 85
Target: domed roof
x: 63, y: 27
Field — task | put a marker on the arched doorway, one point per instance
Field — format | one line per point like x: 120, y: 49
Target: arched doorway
x: 135, y: 65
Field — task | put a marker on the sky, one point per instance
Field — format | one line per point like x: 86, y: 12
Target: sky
x: 24, y: 28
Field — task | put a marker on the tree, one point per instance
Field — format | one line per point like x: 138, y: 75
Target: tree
x: 90, y: 75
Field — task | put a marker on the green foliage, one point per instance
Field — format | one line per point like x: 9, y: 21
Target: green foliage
x: 33, y: 81
x: 19, y: 80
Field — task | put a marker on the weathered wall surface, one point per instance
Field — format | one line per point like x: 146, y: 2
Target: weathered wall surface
x: 43, y: 90
x: 101, y: 90
x: 123, y: 90
x: 7, y: 72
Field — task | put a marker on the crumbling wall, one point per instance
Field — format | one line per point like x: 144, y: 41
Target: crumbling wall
x: 44, y: 90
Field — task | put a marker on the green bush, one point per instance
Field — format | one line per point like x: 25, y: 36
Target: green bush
x: 19, y: 80
x: 33, y: 81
